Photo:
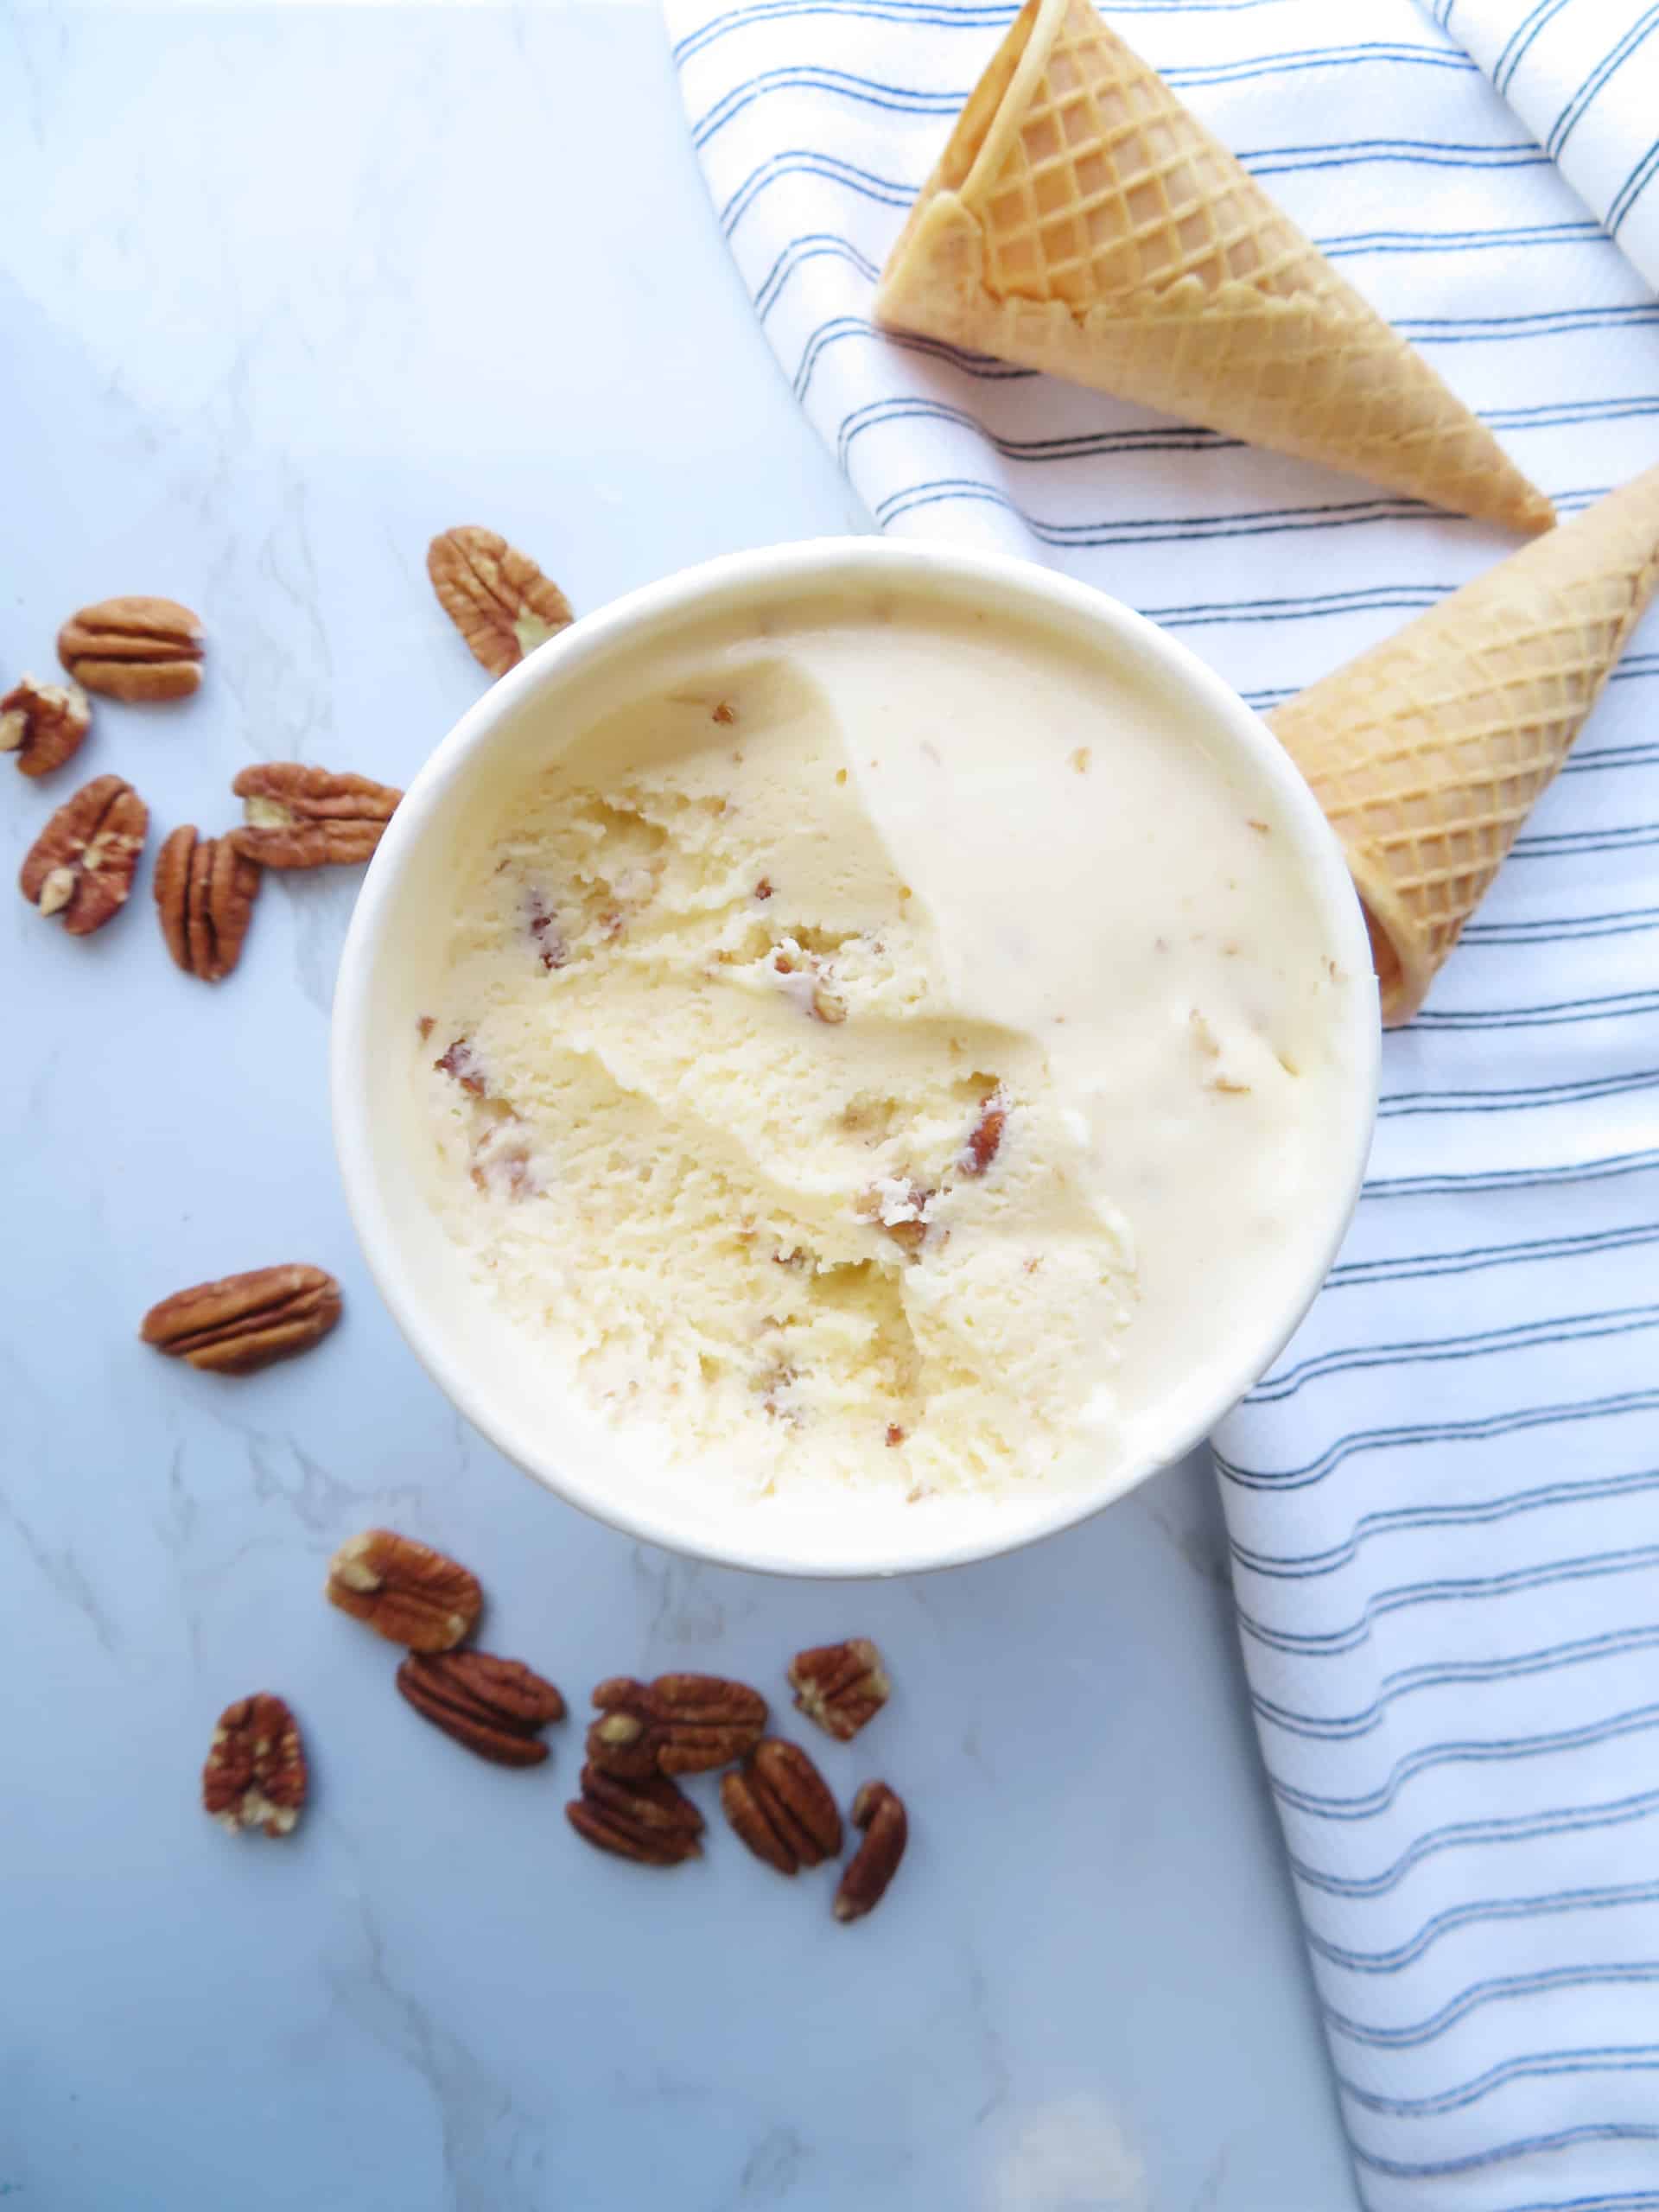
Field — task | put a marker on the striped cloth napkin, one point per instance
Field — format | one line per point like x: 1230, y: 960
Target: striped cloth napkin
x: 1444, y: 1503
x: 1583, y: 75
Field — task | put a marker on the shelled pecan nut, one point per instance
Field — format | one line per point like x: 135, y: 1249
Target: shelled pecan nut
x: 82, y: 864
x: 255, y: 1775
x: 648, y: 1819
x: 881, y: 1813
x: 42, y: 724
x: 136, y: 648
x: 496, y: 1708
x: 680, y: 1724
x: 302, y: 817
x: 781, y: 1807
x: 404, y: 1591
x: 496, y: 596
x: 204, y: 891
x: 841, y: 1686
x: 245, y: 1322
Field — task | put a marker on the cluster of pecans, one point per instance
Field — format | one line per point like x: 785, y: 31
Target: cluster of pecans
x: 646, y: 1737
x: 144, y: 651
x: 81, y: 868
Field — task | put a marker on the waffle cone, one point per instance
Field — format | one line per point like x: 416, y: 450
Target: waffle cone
x: 1427, y: 752
x: 1081, y: 221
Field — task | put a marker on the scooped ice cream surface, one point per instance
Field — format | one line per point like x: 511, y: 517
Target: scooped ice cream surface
x: 884, y: 1047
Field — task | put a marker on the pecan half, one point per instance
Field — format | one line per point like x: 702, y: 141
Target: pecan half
x: 302, y: 817
x: 255, y: 1775
x: 404, y: 1591
x: 82, y: 864
x: 680, y: 1724
x: 496, y: 1708
x: 205, y: 891
x: 648, y: 1819
x: 881, y: 1813
x: 134, y: 649
x: 841, y: 1686
x: 495, y: 596
x: 781, y: 1807
x: 245, y: 1322
x: 43, y: 723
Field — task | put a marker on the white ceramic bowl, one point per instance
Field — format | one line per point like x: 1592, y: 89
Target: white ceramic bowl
x: 400, y: 923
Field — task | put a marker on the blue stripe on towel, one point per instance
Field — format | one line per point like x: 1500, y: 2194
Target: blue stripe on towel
x: 1443, y: 1505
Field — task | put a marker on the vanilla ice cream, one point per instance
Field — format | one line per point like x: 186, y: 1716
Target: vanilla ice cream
x: 883, y: 1044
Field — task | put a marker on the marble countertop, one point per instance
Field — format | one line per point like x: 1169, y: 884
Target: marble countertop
x: 284, y: 291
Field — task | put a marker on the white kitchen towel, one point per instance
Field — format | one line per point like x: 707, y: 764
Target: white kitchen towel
x: 1583, y: 75
x: 1444, y: 1503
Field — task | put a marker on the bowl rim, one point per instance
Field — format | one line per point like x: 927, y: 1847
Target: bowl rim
x: 810, y: 564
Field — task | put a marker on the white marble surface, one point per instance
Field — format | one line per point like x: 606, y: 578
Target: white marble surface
x: 283, y: 291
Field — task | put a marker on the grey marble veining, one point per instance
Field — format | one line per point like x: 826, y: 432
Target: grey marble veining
x: 283, y: 291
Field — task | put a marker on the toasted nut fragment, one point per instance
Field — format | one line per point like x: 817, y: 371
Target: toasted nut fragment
x: 205, y: 891
x: 302, y: 817
x: 255, y: 1775
x: 880, y: 1813
x: 42, y: 724
x: 138, y: 649
x: 781, y: 1807
x: 245, y: 1322
x: 404, y: 1591
x: 980, y: 1148
x: 542, y: 927
x: 648, y: 1819
x: 82, y: 864
x: 460, y: 1061
x: 680, y: 1724
x: 496, y: 1707
x: 496, y: 596
x: 841, y: 1685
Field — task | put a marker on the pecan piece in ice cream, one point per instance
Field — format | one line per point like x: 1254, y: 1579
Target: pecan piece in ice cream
x: 985, y: 1138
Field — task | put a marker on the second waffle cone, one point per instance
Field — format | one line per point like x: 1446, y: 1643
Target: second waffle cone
x: 1428, y: 752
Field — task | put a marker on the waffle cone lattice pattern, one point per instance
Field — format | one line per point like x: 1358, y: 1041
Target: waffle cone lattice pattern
x: 1110, y: 188
x: 1428, y: 752
x: 1082, y: 220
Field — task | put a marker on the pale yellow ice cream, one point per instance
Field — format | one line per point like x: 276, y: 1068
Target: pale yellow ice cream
x: 886, y: 1049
